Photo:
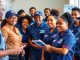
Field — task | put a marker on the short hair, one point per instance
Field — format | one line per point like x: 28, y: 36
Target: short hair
x: 76, y: 9
x: 54, y: 12
x: 47, y: 9
x: 20, y: 11
x: 32, y: 8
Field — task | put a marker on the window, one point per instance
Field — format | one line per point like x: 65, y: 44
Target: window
x: 75, y: 3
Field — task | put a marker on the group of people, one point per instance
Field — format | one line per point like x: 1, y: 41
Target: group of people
x: 61, y: 34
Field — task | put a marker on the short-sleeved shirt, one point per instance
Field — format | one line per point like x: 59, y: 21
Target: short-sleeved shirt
x: 13, y: 39
x: 24, y: 36
x: 37, y: 33
x: 66, y: 40
x: 74, y: 29
x: 49, y: 36
x: 77, y: 47
x: 3, y: 46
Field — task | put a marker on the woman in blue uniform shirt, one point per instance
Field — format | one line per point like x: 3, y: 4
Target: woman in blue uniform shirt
x: 25, y: 21
x: 63, y: 44
x: 49, y: 36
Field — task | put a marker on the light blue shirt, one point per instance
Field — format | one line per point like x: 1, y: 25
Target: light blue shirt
x: 3, y: 46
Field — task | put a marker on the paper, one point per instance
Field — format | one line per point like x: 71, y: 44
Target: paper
x: 39, y: 42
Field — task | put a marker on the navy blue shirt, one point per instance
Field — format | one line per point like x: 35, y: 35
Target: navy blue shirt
x: 45, y: 19
x: 74, y: 29
x: 49, y: 36
x: 37, y: 33
x: 66, y: 40
x: 24, y: 36
x: 77, y: 47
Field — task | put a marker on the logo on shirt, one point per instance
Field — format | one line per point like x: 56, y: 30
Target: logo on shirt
x: 60, y: 41
x: 45, y: 35
x: 42, y: 31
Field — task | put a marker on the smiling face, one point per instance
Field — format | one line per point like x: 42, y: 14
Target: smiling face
x: 51, y: 21
x: 12, y: 20
x: 75, y: 14
x: 32, y: 11
x: 61, y: 25
x: 47, y: 12
x: 25, y: 23
x: 38, y: 20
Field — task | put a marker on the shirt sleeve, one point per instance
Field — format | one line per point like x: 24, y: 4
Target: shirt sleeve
x: 5, y: 33
x: 69, y: 42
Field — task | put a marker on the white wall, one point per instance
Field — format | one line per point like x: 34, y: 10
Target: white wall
x: 39, y: 4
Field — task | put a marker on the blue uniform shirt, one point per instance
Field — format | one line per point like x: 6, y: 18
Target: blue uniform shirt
x: 37, y: 33
x: 77, y: 48
x: 45, y: 19
x: 66, y: 40
x: 2, y: 46
x: 24, y: 36
x: 49, y: 37
x: 74, y: 29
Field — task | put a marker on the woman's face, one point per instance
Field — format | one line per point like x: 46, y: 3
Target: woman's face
x: 12, y: 20
x: 61, y: 25
x: 25, y: 23
x: 51, y: 22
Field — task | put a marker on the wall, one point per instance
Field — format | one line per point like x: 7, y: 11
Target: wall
x: 39, y: 4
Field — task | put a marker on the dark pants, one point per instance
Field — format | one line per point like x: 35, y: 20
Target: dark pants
x: 77, y: 57
x: 16, y: 57
x: 13, y: 57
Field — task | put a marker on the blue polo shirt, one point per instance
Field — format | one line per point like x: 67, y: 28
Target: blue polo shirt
x: 66, y: 40
x: 24, y: 36
x: 74, y: 28
x: 2, y: 46
x: 77, y: 47
x: 37, y: 33
x: 45, y: 19
x: 49, y: 36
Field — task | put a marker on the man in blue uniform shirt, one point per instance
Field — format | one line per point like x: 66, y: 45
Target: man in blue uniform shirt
x: 36, y: 32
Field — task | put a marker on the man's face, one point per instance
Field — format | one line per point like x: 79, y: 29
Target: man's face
x: 75, y: 14
x: 38, y: 20
x: 47, y: 12
x: 32, y: 11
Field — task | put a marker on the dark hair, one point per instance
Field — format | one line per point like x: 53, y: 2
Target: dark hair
x: 67, y: 17
x: 54, y: 12
x: 24, y: 17
x: 20, y: 11
x: 76, y: 9
x: 3, y: 22
x: 32, y: 8
x: 47, y: 9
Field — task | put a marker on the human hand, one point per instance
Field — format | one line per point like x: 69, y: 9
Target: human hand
x: 48, y: 48
x: 15, y: 51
